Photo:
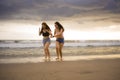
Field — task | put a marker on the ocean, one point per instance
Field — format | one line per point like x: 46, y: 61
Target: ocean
x: 68, y: 43
x: 31, y: 51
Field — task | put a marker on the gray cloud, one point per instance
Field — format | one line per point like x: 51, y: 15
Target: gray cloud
x: 56, y: 9
x: 76, y: 15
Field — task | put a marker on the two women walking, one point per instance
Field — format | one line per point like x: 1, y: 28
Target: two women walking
x: 47, y: 34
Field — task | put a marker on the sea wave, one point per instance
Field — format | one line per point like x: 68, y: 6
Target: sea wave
x: 68, y: 43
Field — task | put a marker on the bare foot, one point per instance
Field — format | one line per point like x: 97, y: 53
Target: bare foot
x: 61, y: 59
x: 57, y: 59
x: 45, y: 59
x: 48, y: 59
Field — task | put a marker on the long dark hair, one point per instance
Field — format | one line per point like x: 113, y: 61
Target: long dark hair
x: 47, y: 27
x: 59, y: 26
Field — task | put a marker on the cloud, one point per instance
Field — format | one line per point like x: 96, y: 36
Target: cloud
x: 84, y: 14
x: 74, y: 15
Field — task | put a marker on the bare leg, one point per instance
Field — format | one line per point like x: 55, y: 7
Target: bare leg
x: 61, y: 46
x: 47, y: 53
x: 57, y: 49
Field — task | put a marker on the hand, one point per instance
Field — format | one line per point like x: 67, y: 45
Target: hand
x: 51, y: 36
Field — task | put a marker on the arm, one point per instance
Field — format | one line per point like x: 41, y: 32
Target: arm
x: 50, y: 33
x: 54, y: 33
x: 39, y: 32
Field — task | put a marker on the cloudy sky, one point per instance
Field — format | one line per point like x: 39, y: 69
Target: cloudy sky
x: 82, y: 19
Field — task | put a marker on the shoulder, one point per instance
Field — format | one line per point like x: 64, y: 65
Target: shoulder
x: 55, y: 29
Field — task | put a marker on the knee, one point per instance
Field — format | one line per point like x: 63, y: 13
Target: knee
x: 45, y: 48
x: 57, y: 47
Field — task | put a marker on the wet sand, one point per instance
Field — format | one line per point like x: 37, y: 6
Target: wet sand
x: 53, y: 58
x: 98, y: 69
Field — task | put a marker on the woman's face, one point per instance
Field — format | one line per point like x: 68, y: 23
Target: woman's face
x: 56, y: 26
x: 43, y: 26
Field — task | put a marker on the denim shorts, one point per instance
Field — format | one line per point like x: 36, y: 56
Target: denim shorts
x: 60, y: 40
x: 46, y: 40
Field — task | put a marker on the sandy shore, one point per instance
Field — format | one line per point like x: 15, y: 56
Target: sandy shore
x: 100, y: 69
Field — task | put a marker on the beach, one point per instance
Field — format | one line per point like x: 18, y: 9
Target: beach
x: 59, y: 39
x: 90, y: 62
x: 79, y: 63
x: 100, y: 69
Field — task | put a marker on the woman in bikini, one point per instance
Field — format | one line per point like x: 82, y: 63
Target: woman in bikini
x: 46, y: 32
x: 58, y: 33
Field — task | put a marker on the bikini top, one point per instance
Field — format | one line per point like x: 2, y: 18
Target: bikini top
x: 45, y: 33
